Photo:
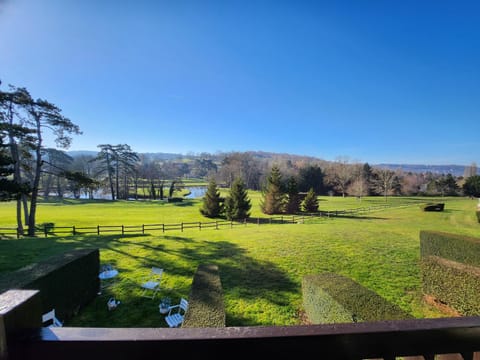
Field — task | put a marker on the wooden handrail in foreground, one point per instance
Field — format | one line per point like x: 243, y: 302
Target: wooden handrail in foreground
x: 364, y: 340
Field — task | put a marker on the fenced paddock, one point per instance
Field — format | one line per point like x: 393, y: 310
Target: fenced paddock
x: 50, y: 229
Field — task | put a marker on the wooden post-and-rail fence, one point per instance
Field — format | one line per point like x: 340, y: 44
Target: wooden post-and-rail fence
x: 50, y: 229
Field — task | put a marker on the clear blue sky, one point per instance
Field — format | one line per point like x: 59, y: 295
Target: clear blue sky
x: 374, y: 81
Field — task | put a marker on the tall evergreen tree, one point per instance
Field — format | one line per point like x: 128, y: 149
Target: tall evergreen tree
x: 310, y: 203
x: 292, y: 205
x: 311, y: 176
x: 212, y: 206
x: 273, y: 201
x: 237, y: 204
x: 472, y: 186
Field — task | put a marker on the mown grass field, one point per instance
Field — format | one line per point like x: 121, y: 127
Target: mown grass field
x: 261, y: 266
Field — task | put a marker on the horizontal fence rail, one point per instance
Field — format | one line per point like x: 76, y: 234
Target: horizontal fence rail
x: 369, y: 340
x: 49, y: 229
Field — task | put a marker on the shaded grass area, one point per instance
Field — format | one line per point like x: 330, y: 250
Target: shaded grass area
x: 261, y: 267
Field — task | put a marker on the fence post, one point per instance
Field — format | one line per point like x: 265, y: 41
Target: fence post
x: 18, y: 233
x: 143, y: 229
x: 73, y: 230
x: 245, y: 221
x: 281, y: 219
x: 98, y: 229
x: 163, y: 227
x: 200, y: 225
x: 181, y: 226
x: 45, y: 229
x: 293, y: 219
x: 216, y: 224
x: 258, y: 220
x: 270, y: 220
x: 231, y: 224
x: 123, y: 230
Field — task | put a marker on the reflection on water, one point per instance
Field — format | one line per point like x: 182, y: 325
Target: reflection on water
x: 196, y: 192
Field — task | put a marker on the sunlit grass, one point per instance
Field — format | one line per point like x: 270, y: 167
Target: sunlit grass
x: 261, y: 267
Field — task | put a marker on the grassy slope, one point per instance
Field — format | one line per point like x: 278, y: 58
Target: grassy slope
x: 261, y: 267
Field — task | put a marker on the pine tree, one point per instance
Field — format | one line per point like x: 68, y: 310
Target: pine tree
x: 212, y: 206
x: 292, y: 205
x: 237, y: 204
x: 310, y: 203
x: 273, y: 201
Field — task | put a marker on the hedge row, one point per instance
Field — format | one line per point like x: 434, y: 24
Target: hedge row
x: 453, y: 285
x: 205, y: 302
x: 332, y: 298
x: 66, y: 281
x: 459, y: 248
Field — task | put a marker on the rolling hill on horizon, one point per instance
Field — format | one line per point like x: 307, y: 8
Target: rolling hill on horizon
x: 454, y: 169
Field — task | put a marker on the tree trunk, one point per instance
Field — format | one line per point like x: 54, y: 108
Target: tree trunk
x: 36, y: 181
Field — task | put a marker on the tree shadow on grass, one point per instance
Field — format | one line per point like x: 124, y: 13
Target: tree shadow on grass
x: 242, y: 276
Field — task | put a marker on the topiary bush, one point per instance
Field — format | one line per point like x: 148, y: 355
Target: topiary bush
x: 332, y: 298
x: 450, y: 266
x: 433, y: 207
x: 205, y: 302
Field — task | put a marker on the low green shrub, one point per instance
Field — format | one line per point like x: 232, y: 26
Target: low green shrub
x: 459, y: 248
x: 450, y: 265
x: 67, y: 281
x: 433, y: 207
x: 453, y: 285
x: 332, y: 298
x: 205, y: 302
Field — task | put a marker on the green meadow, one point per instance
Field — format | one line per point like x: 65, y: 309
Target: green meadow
x: 261, y: 266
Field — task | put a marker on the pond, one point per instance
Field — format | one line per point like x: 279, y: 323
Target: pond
x: 196, y: 192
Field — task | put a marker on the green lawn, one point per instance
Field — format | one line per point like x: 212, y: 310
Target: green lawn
x: 261, y: 267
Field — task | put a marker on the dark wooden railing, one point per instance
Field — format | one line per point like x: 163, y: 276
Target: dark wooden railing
x: 387, y: 340
x: 23, y: 337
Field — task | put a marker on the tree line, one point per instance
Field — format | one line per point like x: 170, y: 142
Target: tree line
x: 29, y: 169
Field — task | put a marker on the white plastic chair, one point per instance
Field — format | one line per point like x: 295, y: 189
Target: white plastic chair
x: 49, y: 319
x: 176, y: 313
x: 152, y: 285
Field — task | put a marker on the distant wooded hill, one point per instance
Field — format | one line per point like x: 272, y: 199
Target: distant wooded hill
x: 456, y: 170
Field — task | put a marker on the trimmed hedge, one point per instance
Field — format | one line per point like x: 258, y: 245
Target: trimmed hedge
x: 452, y: 285
x: 332, y: 298
x: 450, y: 266
x: 433, y: 207
x: 205, y: 302
x: 66, y: 281
x: 459, y: 248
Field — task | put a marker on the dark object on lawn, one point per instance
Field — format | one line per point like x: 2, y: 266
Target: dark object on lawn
x: 433, y: 207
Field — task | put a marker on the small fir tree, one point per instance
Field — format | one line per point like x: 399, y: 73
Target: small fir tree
x: 237, y: 204
x: 310, y: 203
x: 292, y: 205
x: 212, y: 206
x: 273, y: 201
